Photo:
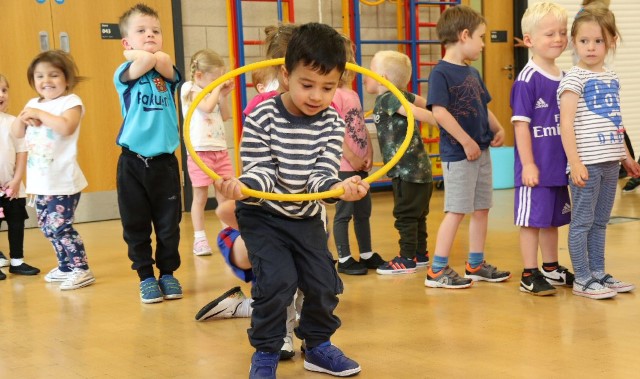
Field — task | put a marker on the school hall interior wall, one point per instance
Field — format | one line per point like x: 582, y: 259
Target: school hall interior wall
x: 205, y: 26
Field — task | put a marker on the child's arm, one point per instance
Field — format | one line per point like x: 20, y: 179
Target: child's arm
x: 14, y: 183
x: 164, y: 65
x: 497, y: 129
x: 449, y: 123
x: 65, y: 125
x: 141, y: 62
x: 420, y: 112
x: 530, y: 173
x: 568, y: 108
x: 630, y: 164
x: 225, y: 111
x: 355, y: 161
x: 368, y: 161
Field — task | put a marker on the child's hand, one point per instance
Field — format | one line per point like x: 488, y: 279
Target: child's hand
x: 368, y: 165
x: 227, y: 87
x: 354, y: 188
x: 472, y: 150
x: 357, y: 163
x: 12, y: 189
x: 632, y: 167
x: 579, y: 174
x: 530, y: 175
x: 230, y: 187
x: 30, y: 116
x: 498, y: 138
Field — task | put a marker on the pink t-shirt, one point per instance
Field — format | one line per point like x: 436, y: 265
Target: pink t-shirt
x: 257, y: 99
x: 347, y: 103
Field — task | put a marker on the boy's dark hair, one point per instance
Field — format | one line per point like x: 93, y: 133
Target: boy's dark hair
x: 60, y: 60
x: 139, y: 8
x: 318, y: 46
x: 456, y: 19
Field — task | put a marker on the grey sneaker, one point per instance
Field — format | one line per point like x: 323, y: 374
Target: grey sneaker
x: 446, y: 278
x: 592, y: 289
x: 486, y: 272
x: 615, y: 284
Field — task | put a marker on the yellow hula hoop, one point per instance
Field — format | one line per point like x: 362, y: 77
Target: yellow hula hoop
x: 300, y: 196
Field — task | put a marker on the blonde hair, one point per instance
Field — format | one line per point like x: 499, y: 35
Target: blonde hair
x: 60, y: 60
x: 395, y: 66
x: 139, y: 8
x: 348, y: 75
x: 4, y: 79
x: 205, y: 60
x: 535, y: 13
x: 600, y: 14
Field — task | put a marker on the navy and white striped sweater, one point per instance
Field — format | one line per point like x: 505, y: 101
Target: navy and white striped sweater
x: 287, y: 154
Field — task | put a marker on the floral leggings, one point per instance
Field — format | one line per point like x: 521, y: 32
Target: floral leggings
x: 55, y: 219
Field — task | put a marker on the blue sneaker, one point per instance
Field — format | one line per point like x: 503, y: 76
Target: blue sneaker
x: 150, y: 291
x: 264, y: 365
x: 170, y: 287
x: 330, y: 360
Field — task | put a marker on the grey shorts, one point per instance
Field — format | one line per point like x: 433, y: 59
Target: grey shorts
x: 468, y: 185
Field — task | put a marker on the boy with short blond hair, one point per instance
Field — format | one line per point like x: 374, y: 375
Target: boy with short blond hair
x: 458, y: 99
x: 148, y: 177
x: 541, y: 201
x: 411, y: 176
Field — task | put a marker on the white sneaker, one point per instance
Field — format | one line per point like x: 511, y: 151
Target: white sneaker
x: 4, y: 262
x: 593, y: 289
x: 78, y: 278
x: 56, y: 275
x: 230, y: 304
x: 286, y: 351
x: 616, y: 285
x: 201, y: 247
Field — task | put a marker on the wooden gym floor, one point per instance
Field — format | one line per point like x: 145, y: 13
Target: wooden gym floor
x: 393, y: 326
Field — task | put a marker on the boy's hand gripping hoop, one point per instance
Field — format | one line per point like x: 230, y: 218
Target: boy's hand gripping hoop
x: 303, y: 196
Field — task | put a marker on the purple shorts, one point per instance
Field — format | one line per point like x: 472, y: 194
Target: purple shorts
x: 218, y: 161
x: 542, y: 207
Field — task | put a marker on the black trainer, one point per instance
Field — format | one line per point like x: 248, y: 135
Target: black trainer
x: 2, y: 275
x: 24, y: 269
x: 631, y: 185
x: 373, y: 262
x: 352, y: 267
x: 536, y: 284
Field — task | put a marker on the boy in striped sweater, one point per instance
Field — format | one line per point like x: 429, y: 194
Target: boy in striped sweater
x: 292, y: 144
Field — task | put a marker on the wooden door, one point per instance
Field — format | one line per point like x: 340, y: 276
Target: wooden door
x: 97, y: 60
x: 499, y: 61
x: 21, y: 24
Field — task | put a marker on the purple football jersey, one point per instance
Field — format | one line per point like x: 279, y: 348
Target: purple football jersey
x: 534, y: 100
